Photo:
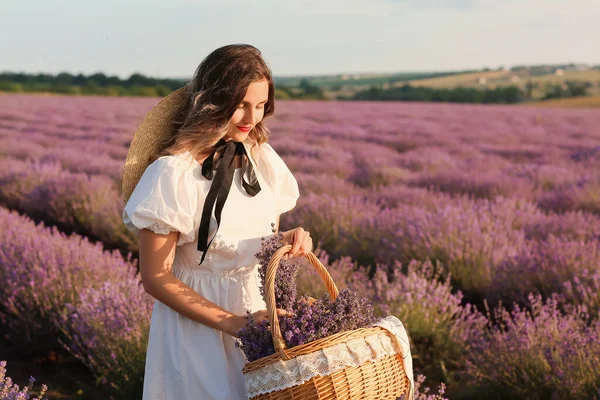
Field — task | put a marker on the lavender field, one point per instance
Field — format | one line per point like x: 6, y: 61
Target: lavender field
x: 477, y: 226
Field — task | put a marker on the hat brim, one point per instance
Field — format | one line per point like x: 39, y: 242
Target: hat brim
x: 150, y: 137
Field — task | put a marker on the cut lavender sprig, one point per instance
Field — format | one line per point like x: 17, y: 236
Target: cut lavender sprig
x: 285, y: 278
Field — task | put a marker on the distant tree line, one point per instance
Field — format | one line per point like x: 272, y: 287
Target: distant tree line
x: 304, y: 91
x: 506, y: 94
x: 135, y: 85
x: 568, y: 89
x: 500, y: 95
x: 99, y: 83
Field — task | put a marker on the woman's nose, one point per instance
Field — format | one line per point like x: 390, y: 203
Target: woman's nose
x: 249, y: 117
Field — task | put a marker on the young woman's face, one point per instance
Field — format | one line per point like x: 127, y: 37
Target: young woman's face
x: 250, y: 112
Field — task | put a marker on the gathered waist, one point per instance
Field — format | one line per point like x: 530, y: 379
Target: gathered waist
x: 182, y: 272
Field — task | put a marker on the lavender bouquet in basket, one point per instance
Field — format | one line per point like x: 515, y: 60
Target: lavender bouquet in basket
x: 312, y: 319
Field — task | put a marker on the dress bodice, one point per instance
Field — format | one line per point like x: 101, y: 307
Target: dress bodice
x: 170, y: 196
x: 245, y: 220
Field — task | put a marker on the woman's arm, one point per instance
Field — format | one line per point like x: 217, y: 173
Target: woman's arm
x: 156, y: 261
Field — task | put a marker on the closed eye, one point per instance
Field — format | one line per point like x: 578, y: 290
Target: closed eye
x: 257, y: 107
x: 262, y: 103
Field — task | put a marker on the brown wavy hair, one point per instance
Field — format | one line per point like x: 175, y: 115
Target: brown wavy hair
x: 217, y: 88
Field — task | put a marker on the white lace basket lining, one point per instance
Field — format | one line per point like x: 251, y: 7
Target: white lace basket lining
x: 294, y: 372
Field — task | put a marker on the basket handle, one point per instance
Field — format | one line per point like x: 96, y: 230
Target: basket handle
x: 278, y: 341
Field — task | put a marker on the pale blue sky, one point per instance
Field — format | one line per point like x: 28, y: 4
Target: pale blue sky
x: 169, y: 38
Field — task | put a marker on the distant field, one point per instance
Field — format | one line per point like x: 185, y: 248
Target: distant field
x: 469, y: 79
x: 505, y: 78
x: 495, y: 79
x: 363, y: 81
x: 574, y: 102
x: 480, y: 80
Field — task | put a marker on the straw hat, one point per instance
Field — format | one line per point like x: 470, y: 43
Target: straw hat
x: 150, y: 137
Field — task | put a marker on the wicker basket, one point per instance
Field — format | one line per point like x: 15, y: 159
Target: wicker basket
x: 384, y: 378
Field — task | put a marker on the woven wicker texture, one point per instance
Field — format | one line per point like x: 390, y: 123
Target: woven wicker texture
x: 383, y: 379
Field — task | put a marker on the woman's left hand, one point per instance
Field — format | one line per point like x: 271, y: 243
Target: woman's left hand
x: 300, y: 240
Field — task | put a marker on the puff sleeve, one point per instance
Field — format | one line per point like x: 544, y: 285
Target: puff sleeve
x: 282, y: 180
x: 164, y: 200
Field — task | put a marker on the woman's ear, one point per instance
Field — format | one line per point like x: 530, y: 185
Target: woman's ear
x: 277, y: 225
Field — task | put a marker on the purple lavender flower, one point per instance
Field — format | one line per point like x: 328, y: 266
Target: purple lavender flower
x: 11, y: 391
x: 422, y: 393
x: 537, y: 352
x: 285, y: 278
x: 255, y: 339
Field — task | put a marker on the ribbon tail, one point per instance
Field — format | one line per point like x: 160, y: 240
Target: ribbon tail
x: 252, y: 186
x: 218, y: 192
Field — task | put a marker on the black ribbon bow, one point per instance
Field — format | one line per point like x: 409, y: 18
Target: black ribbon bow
x: 219, y: 190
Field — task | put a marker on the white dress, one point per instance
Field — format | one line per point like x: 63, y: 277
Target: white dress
x: 187, y: 360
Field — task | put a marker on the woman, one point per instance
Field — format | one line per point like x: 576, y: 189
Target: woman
x: 204, y: 148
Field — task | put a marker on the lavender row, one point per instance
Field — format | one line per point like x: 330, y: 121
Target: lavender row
x: 61, y: 290
x: 538, y: 352
x: 74, y: 202
x: 70, y: 156
x: 107, y: 330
